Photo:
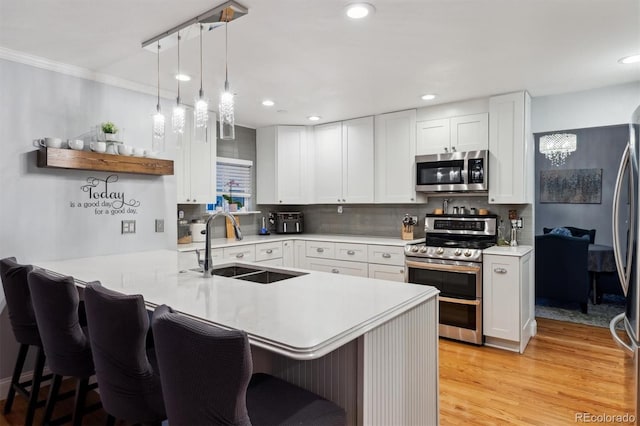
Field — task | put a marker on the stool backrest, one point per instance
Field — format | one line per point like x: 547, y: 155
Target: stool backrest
x: 118, y: 325
x: 18, y: 297
x: 205, y: 370
x: 55, y: 302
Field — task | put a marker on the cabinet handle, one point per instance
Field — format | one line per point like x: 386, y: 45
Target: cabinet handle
x: 269, y: 251
x: 335, y: 271
x: 500, y: 271
x: 281, y: 201
x: 351, y: 252
x: 188, y: 199
x: 453, y: 148
x: 194, y: 200
x: 402, y: 271
x: 446, y: 149
x: 320, y: 250
x: 344, y: 201
x: 240, y: 255
x: 493, y: 199
x: 386, y: 255
x: 410, y: 199
x: 338, y: 199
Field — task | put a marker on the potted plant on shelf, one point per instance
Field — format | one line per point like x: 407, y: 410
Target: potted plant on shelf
x: 110, y: 131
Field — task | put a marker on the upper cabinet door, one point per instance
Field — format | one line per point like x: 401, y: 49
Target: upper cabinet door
x: 327, y: 159
x: 470, y: 132
x: 510, y: 149
x: 433, y: 137
x: 395, y: 150
x: 196, y: 166
x: 291, y: 164
x: 357, y: 160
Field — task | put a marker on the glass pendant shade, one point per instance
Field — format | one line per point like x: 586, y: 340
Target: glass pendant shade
x: 178, y: 119
x: 227, y: 120
x: 201, y: 111
x: 557, y: 147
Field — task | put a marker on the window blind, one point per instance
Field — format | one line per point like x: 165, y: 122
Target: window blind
x: 234, y: 172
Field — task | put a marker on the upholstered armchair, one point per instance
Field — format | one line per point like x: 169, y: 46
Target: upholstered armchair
x: 561, y: 269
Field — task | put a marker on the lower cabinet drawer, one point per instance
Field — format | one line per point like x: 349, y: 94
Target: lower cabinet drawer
x: 386, y: 272
x: 321, y: 249
x: 386, y: 255
x: 351, y: 252
x: 245, y: 253
x: 267, y: 251
x: 358, y: 269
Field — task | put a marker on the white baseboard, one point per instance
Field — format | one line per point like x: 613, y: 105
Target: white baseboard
x: 6, y: 382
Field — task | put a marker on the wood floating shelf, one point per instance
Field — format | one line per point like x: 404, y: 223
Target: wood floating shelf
x: 87, y: 160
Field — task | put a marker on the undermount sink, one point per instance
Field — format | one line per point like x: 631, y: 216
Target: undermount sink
x: 256, y: 275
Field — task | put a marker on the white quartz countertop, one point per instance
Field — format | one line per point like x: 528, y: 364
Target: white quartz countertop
x: 518, y: 251
x: 303, y: 317
x: 255, y: 239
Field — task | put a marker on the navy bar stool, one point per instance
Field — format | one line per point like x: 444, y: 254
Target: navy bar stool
x: 25, y: 330
x: 206, y: 379
x: 129, y: 383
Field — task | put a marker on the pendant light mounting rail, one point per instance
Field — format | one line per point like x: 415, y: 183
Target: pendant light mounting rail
x: 217, y: 14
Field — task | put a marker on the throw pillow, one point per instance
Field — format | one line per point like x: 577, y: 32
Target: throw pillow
x: 561, y: 231
x: 586, y: 237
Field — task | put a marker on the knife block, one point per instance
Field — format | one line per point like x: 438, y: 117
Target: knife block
x: 230, y: 233
x: 407, y: 232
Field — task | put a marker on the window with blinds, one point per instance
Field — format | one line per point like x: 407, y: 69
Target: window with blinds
x: 234, y: 176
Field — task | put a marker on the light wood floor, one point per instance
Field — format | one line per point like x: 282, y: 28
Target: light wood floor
x: 567, y: 368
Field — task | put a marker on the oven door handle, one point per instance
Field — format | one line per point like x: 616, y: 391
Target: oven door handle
x: 471, y: 270
x: 459, y: 301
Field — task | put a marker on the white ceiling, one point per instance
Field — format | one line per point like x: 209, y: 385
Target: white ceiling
x: 310, y: 59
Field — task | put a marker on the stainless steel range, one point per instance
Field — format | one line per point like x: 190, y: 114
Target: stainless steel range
x: 451, y: 260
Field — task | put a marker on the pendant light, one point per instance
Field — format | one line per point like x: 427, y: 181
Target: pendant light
x: 227, y: 119
x: 158, y: 117
x: 201, y: 113
x: 177, y: 118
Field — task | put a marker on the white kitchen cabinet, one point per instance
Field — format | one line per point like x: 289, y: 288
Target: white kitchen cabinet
x: 322, y: 249
x: 272, y: 262
x: 358, y: 269
x: 196, y: 167
x: 395, y: 150
x: 243, y: 253
x: 299, y: 254
x: 511, y: 154
x: 266, y: 251
x: 386, y: 255
x: 386, y: 272
x: 288, y: 254
x: 343, y: 162
x: 463, y: 133
x: 351, y: 252
x: 507, y: 297
x: 282, y: 167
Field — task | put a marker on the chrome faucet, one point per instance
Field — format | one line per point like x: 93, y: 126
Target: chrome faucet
x: 207, y: 266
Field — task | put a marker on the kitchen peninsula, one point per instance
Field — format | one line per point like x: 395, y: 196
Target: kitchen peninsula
x: 371, y: 346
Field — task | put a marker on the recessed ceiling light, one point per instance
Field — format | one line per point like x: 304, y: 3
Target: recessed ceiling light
x: 183, y: 77
x: 630, y: 59
x: 314, y: 117
x: 268, y: 102
x: 428, y: 97
x: 359, y: 10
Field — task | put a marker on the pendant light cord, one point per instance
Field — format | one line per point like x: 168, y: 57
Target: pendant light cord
x: 179, y: 38
x: 201, y: 92
x: 226, y: 52
x: 158, y: 104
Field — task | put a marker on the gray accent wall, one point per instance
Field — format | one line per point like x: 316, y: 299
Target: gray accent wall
x: 597, y: 148
x: 37, y: 221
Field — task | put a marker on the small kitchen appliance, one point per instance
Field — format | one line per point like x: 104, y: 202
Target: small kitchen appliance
x: 288, y: 222
x: 452, y: 172
x: 450, y: 259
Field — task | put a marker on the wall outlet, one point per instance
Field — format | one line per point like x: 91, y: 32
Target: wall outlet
x: 159, y: 225
x: 128, y: 226
x: 339, y: 209
x: 415, y: 218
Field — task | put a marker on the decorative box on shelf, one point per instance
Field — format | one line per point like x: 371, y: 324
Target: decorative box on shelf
x: 88, y: 160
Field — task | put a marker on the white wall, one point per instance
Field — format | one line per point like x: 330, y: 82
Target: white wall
x: 590, y: 108
x: 36, y: 219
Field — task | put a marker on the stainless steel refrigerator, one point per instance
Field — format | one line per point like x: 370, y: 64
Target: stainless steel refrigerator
x: 626, y: 236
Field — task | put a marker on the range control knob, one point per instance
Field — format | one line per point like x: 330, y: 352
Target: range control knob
x: 414, y: 249
x: 458, y: 252
x: 423, y: 249
x: 467, y: 252
x: 439, y: 250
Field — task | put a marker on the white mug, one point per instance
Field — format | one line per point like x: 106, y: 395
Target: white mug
x: 48, y: 142
x: 98, y: 146
x: 138, y: 152
x: 77, y: 144
x: 125, y: 149
x: 111, y: 149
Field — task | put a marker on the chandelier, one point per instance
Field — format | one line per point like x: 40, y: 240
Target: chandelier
x: 557, y: 147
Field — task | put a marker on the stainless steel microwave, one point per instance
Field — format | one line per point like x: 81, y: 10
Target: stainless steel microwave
x: 453, y: 172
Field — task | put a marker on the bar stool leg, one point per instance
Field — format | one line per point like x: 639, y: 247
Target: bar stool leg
x: 111, y: 421
x: 78, y: 406
x: 35, y: 387
x: 15, y: 380
x: 51, y: 399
